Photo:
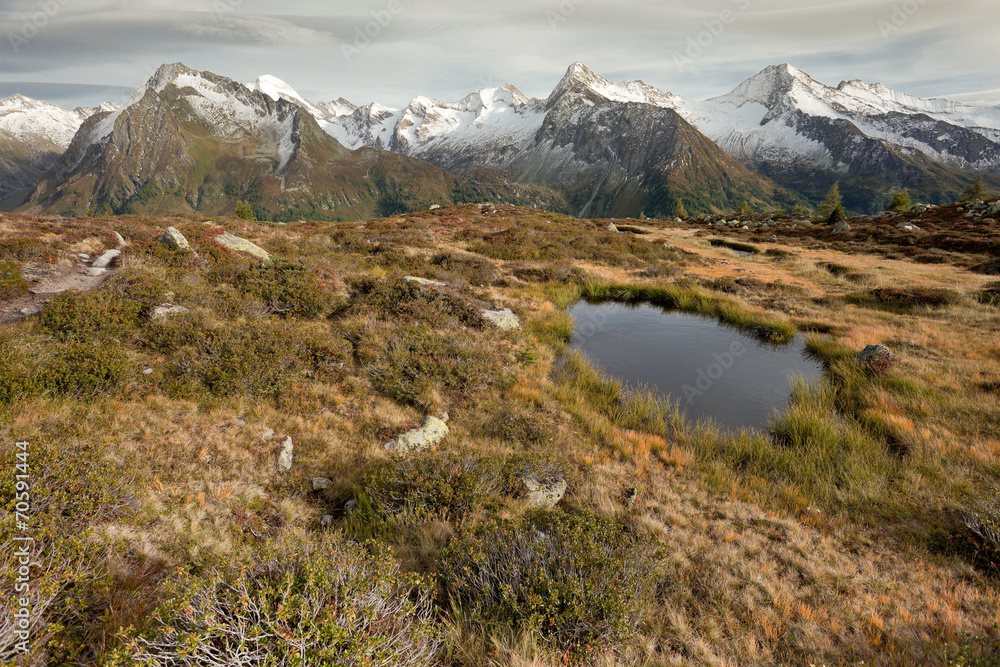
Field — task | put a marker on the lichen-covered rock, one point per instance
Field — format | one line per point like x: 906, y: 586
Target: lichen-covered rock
x: 432, y: 432
x: 174, y: 240
x: 285, y: 455
x: 504, y: 319
x: 320, y: 483
x: 612, y: 227
x: 876, y: 354
x: 842, y: 228
x: 543, y: 493
x: 237, y: 244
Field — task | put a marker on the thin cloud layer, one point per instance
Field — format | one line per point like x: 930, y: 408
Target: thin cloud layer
x: 392, y: 50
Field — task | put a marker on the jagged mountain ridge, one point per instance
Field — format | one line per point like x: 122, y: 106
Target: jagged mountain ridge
x: 608, y: 148
x: 780, y: 122
x: 196, y: 141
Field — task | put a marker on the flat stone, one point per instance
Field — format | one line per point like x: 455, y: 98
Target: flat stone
x: 285, y: 456
x: 233, y: 242
x: 174, y: 240
x: 612, y: 227
x: 326, y: 521
x: 320, y: 483
x: 267, y: 434
x: 504, y: 319
x: 93, y: 272
x: 423, y: 281
x: 432, y: 432
x: 105, y: 260
x: 842, y: 228
x: 434, y: 207
x: 30, y: 310
x: 163, y: 312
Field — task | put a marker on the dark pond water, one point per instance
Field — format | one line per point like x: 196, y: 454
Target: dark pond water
x: 712, y: 370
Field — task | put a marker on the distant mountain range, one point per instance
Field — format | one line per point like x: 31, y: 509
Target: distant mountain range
x: 190, y: 141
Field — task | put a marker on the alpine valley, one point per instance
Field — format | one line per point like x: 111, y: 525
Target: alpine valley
x: 190, y: 141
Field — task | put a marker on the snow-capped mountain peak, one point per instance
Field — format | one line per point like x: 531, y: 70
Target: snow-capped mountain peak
x: 33, y: 120
x: 277, y: 89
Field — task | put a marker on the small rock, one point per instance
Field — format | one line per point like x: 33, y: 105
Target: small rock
x: 235, y: 243
x: 678, y: 220
x: 423, y: 281
x: 93, y: 272
x: 429, y: 434
x: 434, y: 207
x: 842, y: 228
x: 320, y: 483
x: 147, y: 371
x: 543, y: 494
x: 630, y: 496
x: 877, y: 354
x: 105, y: 260
x: 84, y: 257
x: 285, y: 456
x: 174, y: 240
x: 326, y: 521
x: 504, y: 319
x: 612, y: 227
x: 907, y: 227
x: 30, y: 310
x: 163, y: 312
x: 267, y: 434
x: 350, y: 506
x: 120, y: 239
x: 772, y: 237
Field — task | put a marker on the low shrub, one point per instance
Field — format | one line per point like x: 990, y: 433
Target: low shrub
x: 404, y: 299
x: 579, y: 580
x: 415, y: 362
x: 285, y: 287
x: 258, y: 358
x: 83, y: 369
x: 12, y: 283
x: 327, y: 602
x: 735, y: 245
x: 976, y: 533
x: 990, y: 294
x: 904, y: 300
x: 86, y: 315
x: 474, y: 270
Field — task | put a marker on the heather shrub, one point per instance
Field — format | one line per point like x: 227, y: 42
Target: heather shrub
x: 82, y: 369
x: 404, y: 299
x: 285, y: 287
x: 328, y: 602
x: 85, y: 315
x: 414, y: 362
x: 579, y: 580
x: 12, y: 283
x: 976, y: 533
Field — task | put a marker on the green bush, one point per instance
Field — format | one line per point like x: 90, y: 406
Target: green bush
x: 12, y: 283
x: 327, y: 602
x: 85, y: 315
x: 976, y: 533
x: 84, y: 369
x: 580, y: 580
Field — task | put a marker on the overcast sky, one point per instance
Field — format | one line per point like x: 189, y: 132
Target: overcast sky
x: 85, y: 51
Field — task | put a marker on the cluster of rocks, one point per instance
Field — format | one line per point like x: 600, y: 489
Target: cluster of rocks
x: 980, y: 210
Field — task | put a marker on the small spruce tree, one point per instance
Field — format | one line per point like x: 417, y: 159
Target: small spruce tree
x: 745, y: 208
x: 832, y: 202
x: 799, y: 211
x: 244, y: 211
x: 976, y: 191
x: 900, y: 201
x: 680, y: 211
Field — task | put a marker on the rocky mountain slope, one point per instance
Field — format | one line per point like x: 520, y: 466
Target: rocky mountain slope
x: 196, y: 141
x: 33, y: 134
